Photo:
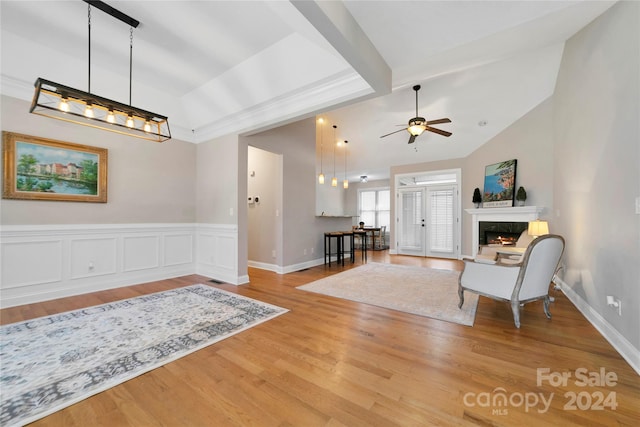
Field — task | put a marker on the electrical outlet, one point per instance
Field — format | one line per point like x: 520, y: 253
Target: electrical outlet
x: 615, y: 303
x: 311, y: 251
x: 273, y: 253
x: 304, y: 252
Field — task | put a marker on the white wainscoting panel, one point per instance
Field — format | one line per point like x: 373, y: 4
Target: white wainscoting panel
x: 42, y: 262
x: 30, y: 262
x: 93, y: 257
x: 178, y: 249
x: 141, y: 252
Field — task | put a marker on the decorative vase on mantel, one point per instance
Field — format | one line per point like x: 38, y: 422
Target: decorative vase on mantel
x: 477, y: 198
x: 521, y: 196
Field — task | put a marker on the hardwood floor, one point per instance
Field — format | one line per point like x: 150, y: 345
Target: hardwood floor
x: 332, y: 362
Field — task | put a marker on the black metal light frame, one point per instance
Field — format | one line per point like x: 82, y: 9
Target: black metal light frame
x: 65, y: 103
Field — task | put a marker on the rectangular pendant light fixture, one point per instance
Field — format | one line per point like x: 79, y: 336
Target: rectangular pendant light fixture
x: 65, y: 103
x: 75, y: 106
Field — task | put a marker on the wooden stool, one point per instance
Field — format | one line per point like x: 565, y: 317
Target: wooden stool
x: 327, y: 245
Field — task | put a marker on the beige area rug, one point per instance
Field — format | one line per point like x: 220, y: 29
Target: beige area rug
x: 417, y: 290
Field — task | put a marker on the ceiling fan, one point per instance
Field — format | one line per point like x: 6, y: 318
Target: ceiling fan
x: 417, y: 125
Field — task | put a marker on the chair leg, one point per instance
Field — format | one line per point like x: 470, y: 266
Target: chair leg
x: 461, y: 296
x: 515, y: 308
x: 546, y: 306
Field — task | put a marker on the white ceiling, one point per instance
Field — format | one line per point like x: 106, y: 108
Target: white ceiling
x: 222, y: 67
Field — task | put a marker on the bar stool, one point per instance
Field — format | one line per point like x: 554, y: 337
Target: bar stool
x: 352, y: 250
x: 363, y: 239
x: 327, y: 245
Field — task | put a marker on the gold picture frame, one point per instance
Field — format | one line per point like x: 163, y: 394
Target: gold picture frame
x: 45, y: 169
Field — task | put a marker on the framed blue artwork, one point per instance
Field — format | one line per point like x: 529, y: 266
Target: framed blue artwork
x: 499, y: 184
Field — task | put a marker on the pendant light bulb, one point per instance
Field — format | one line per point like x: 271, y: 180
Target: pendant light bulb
x: 321, y: 178
x: 64, y: 105
x: 111, y: 118
x: 130, y: 121
x: 334, y: 180
x: 147, y: 126
x: 88, y: 111
x: 345, y: 183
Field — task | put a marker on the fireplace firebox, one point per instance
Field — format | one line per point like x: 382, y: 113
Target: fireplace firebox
x: 500, y: 232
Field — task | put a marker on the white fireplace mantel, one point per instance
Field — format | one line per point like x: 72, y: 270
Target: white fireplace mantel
x: 513, y: 214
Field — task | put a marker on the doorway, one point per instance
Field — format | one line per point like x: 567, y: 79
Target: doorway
x: 428, y: 214
x: 264, y: 222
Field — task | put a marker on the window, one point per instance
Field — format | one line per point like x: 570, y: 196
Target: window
x: 374, y: 207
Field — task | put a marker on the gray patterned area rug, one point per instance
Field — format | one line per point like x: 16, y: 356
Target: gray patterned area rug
x: 417, y: 290
x: 52, y: 362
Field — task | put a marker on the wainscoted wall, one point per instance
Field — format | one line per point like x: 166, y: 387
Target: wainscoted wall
x: 46, y: 262
x: 217, y: 248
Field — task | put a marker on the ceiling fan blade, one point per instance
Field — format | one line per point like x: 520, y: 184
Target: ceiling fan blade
x: 438, y: 131
x: 401, y: 130
x: 411, y: 139
x: 437, y: 122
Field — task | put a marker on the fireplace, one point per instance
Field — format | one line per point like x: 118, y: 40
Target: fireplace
x: 500, y: 232
x: 518, y: 214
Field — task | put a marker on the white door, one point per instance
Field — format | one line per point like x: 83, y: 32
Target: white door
x: 411, y: 221
x: 441, y: 222
x: 427, y: 221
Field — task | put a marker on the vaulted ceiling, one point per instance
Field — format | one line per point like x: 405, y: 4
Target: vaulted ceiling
x: 238, y: 67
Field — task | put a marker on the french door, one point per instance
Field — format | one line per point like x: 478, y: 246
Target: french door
x: 427, y: 221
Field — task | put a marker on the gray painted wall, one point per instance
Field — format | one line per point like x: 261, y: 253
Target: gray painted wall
x: 597, y: 167
x: 216, y: 182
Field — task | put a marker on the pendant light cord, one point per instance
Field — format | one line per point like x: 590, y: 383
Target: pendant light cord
x: 89, y: 25
x: 130, y: 61
x: 334, y: 150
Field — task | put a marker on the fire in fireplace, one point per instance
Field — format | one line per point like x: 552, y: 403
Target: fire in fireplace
x: 502, y: 233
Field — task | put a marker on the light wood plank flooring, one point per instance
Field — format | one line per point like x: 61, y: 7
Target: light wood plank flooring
x: 332, y: 362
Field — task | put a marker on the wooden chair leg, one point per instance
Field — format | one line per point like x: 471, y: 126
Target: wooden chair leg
x: 515, y: 308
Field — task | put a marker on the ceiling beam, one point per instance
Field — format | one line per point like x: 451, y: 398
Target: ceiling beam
x: 340, y: 29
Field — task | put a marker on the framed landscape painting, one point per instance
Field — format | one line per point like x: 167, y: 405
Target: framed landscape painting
x: 499, y: 184
x: 44, y: 169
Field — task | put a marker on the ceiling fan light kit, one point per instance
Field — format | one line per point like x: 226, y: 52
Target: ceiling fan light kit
x: 417, y: 125
x: 62, y: 102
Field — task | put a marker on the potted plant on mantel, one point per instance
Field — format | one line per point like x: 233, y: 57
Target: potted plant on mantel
x: 477, y: 197
x: 521, y: 196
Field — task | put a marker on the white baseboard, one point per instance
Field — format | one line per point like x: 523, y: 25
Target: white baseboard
x: 288, y: 268
x: 611, y: 334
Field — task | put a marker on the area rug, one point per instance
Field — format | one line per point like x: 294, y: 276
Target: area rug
x: 52, y: 362
x: 417, y: 290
